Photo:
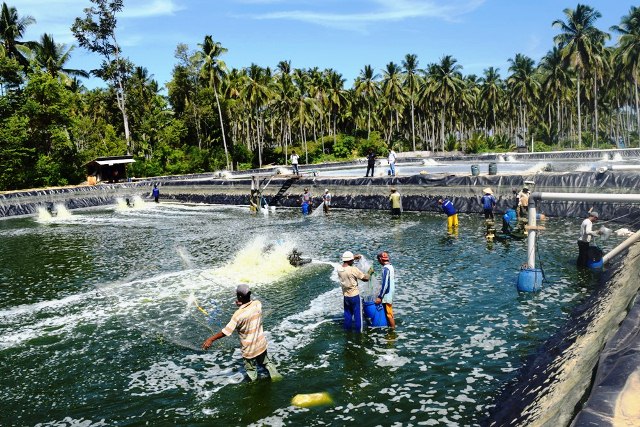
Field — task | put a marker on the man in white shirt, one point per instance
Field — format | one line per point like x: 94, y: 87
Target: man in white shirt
x: 586, y: 232
x: 392, y: 162
x: 294, y: 162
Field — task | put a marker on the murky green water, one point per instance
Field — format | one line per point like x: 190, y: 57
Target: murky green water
x: 95, y: 327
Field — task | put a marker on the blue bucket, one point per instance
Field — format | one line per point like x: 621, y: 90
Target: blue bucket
x: 374, y: 313
x: 594, y: 260
x: 529, y: 280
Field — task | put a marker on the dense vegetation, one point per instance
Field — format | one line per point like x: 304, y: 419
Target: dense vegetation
x: 582, y: 93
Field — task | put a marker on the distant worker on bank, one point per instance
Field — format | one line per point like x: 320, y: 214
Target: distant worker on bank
x: 371, y: 163
x: 156, y: 193
x: 247, y: 320
x: 387, y: 287
x: 450, y: 210
x: 326, y: 201
x: 396, y: 202
x: 584, y: 241
x: 488, y: 203
x: 392, y: 162
x: 349, y: 276
x: 294, y: 162
x: 306, y: 202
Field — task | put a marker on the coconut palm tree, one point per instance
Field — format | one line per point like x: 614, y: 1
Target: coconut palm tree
x: 411, y: 83
x: 12, y: 29
x: 491, y: 89
x: 213, y: 69
x: 53, y: 56
x: 629, y: 51
x: 256, y: 93
x: 366, y: 86
x: 524, y: 87
x: 447, y: 85
x: 336, y: 96
x: 393, y: 94
x: 556, y: 82
x: 580, y: 42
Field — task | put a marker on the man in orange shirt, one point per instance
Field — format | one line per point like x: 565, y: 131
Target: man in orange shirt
x: 247, y: 320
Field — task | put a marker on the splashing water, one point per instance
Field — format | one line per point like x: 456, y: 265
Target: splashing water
x: 59, y: 211
x: 258, y: 262
x: 616, y: 157
x: 135, y: 202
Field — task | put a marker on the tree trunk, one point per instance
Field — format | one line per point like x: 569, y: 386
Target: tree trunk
x: 579, y: 115
x: 224, y: 138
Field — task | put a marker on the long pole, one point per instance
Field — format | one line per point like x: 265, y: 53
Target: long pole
x: 531, y: 240
x: 578, y: 197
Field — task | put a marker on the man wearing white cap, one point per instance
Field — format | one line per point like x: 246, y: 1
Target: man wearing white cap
x: 247, y: 320
x: 349, y: 276
x: 585, y: 238
x: 326, y: 201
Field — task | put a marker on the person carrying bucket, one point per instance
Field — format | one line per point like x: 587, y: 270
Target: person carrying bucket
x: 387, y: 287
x: 247, y: 320
x: 305, y: 202
x: 349, y: 276
x: 488, y: 203
x: 450, y: 210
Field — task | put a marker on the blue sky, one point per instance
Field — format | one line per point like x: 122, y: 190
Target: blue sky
x: 341, y: 34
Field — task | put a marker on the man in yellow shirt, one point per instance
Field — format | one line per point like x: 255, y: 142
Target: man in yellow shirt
x: 396, y: 202
x: 247, y: 320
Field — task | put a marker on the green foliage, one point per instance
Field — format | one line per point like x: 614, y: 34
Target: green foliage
x: 344, y: 146
x: 375, y: 143
x: 476, y: 144
x: 451, y: 143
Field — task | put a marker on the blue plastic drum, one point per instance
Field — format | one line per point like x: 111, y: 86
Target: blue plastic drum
x: 374, y: 313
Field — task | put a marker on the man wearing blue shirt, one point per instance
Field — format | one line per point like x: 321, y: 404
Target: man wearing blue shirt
x: 450, y: 210
x: 488, y: 203
x: 387, y: 288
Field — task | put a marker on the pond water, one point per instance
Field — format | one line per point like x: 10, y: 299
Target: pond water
x: 99, y: 324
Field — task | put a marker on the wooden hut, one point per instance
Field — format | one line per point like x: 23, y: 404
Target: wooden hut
x: 108, y: 169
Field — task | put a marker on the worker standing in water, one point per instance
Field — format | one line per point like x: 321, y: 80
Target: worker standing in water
x: 586, y: 232
x: 488, y: 203
x: 523, y: 203
x: 156, y: 193
x: 306, y: 202
x: 396, y: 202
x: 326, y: 201
x: 450, y: 210
x: 387, y: 287
x: 247, y: 320
x: 349, y: 276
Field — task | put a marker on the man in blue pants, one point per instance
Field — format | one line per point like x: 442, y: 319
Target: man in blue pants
x: 349, y: 276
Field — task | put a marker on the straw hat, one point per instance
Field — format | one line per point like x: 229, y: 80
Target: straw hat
x: 487, y: 191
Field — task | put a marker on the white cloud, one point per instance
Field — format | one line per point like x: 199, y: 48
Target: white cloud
x: 381, y: 11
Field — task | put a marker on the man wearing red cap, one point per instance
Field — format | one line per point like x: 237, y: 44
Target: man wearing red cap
x: 387, y: 287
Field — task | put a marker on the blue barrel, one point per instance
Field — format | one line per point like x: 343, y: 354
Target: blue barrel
x: 475, y: 170
x: 493, y: 168
x: 529, y: 280
x: 594, y: 258
x: 595, y: 264
x: 374, y: 313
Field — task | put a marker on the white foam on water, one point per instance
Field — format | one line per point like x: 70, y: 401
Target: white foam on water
x: 617, y: 157
x: 72, y: 422
x: 169, y: 375
x: 257, y: 263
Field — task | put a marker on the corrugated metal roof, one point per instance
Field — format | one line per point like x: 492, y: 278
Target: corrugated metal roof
x: 114, y: 161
